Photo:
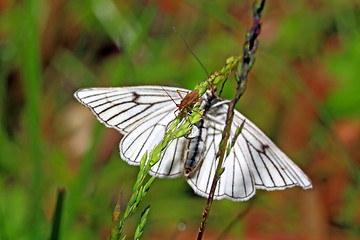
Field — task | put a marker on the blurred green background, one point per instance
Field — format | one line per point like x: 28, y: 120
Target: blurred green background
x: 304, y: 92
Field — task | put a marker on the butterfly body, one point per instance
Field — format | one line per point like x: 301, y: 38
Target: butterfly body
x: 194, y: 152
x: 142, y: 115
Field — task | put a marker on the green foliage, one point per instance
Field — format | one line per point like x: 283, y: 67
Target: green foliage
x: 140, y: 228
x: 345, y: 97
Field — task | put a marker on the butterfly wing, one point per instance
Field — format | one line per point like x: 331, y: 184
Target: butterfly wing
x: 272, y: 169
x: 236, y: 182
x: 146, y: 135
x: 141, y: 114
x: 254, y: 162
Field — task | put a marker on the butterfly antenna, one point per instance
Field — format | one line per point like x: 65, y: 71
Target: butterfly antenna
x: 187, y: 46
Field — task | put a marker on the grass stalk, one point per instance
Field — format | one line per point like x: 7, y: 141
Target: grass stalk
x: 55, y: 231
x: 246, y: 63
x: 31, y: 75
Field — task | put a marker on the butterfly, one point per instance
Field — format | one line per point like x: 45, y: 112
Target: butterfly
x: 142, y: 114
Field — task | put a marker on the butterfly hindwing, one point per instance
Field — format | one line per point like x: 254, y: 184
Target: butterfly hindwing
x: 146, y: 136
x: 272, y: 169
x: 236, y: 182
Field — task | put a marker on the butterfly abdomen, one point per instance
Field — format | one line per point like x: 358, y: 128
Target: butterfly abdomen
x: 195, y: 150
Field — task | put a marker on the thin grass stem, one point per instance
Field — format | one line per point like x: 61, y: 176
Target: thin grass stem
x: 247, y: 61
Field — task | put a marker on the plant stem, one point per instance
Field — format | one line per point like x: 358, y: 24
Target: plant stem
x: 247, y: 61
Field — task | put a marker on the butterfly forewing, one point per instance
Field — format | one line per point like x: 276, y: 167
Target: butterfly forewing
x: 124, y: 107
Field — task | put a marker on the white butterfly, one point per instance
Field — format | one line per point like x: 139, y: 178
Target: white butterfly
x: 142, y: 114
